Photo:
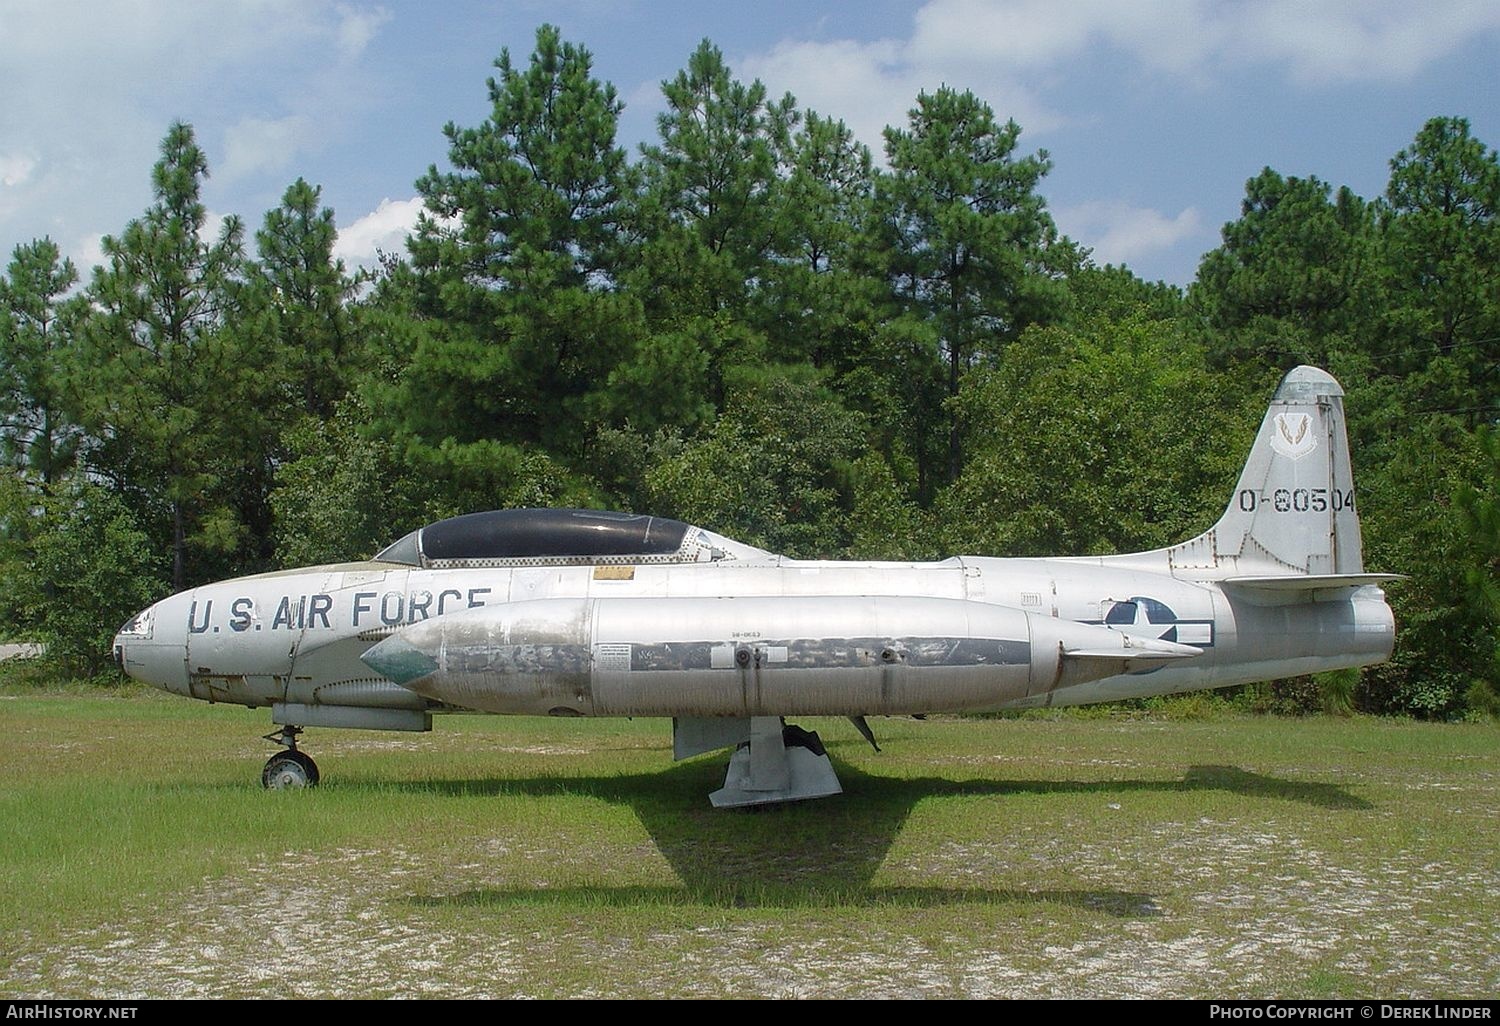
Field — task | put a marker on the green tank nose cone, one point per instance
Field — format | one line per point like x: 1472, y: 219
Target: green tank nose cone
x: 397, y: 659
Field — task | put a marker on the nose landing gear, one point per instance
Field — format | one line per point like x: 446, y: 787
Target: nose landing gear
x: 291, y: 768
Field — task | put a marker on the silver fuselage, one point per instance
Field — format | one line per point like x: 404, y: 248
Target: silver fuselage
x: 297, y: 637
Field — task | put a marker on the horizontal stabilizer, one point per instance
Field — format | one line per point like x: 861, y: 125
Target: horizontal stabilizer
x: 1136, y: 648
x: 1310, y: 582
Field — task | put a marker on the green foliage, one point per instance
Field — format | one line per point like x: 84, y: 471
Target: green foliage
x: 822, y: 294
x: 882, y: 524
x: 1415, y: 523
x: 664, y: 383
x: 492, y: 474
x: 305, y: 294
x: 1482, y: 700
x: 1195, y: 707
x: 175, y: 402
x: 1478, y: 504
x: 533, y: 196
x: 518, y: 331
x: 1443, y: 266
x: 1337, y: 689
x: 972, y: 245
x: 1115, y: 438
x: 896, y: 379
x: 1294, y: 276
x: 706, y: 211
x: 37, y: 330
x: 1290, y: 696
x: 346, y: 493
x: 20, y: 517
x: 91, y: 569
x: 770, y: 470
x: 340, y: 495
x: 1399, y: 299
x: 1113, y: 293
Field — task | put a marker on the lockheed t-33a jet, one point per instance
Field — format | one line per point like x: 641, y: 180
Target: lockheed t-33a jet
x: 580, y: 613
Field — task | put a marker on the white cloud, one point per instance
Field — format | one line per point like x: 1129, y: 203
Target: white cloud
x: 1016, y: 32
x: 92, y: 87
x: 15, y: 168
x: 872, y: 85
x: 213, y: 226
x: 256, y: 145
x: 383, y: 230
x: 357, y: 27
x: 1350, y: 40
x: 1002, y: 49
x: 868, y: 85
x: 1357, y: 40
x: 125, y: 45
x: 1119, y: 233
x: 87, y: 253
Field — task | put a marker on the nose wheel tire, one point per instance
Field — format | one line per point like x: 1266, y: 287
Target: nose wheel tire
x: 287, y: 770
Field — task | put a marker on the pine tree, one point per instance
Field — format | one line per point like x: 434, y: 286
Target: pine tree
x: 1295, y: 276
x: 705, y: 218
x: 305, y: 292
x: 1442, y: 231
x: 37, y: 329
x: 510, y: 264
x: 169, y: 396
x: 972, y: 248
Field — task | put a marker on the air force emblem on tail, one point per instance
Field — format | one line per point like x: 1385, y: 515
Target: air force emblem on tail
x: 1292, y: 435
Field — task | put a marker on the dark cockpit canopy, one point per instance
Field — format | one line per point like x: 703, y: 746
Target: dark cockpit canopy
x: 551, y: 537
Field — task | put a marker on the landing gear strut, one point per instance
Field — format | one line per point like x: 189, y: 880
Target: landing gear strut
x: 291, y: 768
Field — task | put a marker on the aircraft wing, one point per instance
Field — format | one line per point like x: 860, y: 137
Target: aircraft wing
x: 1309, y: 582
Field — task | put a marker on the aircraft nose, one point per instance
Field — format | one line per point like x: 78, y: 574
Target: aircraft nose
x: 149, y: 650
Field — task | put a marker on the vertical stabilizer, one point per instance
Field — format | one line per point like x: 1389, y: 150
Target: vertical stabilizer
x: 1294, y: 509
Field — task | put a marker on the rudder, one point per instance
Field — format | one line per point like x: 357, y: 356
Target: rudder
x: 1294, y: 509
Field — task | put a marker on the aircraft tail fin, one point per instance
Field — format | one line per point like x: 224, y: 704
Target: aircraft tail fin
x: 1293, y: 512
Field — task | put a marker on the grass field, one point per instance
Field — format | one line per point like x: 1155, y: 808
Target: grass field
x: 1070, y: 857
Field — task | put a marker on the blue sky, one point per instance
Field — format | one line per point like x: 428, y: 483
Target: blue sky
x: 1155, y: 112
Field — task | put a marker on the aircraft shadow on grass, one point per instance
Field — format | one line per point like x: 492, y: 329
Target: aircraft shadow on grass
x: 826, y: 852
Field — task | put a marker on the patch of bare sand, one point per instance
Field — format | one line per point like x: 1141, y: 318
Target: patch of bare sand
x: 1229, y: 911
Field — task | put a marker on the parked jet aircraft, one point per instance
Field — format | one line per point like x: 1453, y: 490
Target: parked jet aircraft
x: 583, y: 613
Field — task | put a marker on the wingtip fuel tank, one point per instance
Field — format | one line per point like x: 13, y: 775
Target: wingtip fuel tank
x: 753, y: 656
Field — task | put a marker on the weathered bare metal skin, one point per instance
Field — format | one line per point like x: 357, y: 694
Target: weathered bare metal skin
x: 741, y: 657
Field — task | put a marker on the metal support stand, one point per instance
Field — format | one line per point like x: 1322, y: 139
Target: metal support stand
x: 778, y: 764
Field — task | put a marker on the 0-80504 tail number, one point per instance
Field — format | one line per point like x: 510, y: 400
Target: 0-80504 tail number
x: 1299, y: 500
